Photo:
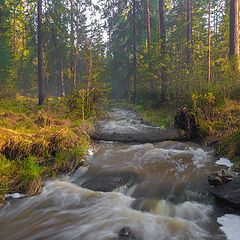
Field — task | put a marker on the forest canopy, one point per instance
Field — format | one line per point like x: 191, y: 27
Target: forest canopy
x: 154, y: 50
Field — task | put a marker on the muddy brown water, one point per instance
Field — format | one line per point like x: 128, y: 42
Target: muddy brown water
x: 159, y: 191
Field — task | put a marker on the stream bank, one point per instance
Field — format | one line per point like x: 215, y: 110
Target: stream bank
x: 38, y: 143
x: 148, y: 191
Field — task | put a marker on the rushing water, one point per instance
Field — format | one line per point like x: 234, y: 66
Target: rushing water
x: 165, y: 196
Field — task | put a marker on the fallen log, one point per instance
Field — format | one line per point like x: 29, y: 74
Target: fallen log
x: 147, y: 134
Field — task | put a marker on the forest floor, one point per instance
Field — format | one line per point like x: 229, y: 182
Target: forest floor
x: 36, y: 143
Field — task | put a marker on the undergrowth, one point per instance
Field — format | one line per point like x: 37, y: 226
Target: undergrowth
x: 36, y: 143
x: 219, y: 121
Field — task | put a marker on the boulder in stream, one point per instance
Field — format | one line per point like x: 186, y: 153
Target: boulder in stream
x: 221, y: 177
x: 229, y: 193
x: 126, y: 234
x: 109, y: 181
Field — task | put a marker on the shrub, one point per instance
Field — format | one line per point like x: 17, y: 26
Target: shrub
x: 86, y: 103
x: 229, y: 145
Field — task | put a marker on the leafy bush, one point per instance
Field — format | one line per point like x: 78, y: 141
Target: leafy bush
x: 205, y: 104
x: 229, y: 145
x: 86, y: 103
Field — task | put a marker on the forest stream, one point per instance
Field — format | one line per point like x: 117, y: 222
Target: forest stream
x: 156, y: 190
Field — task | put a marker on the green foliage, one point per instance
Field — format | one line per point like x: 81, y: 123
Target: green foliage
x: 161, y: 116
x: 205, y: 104
x: 7, y: 170
x: 90, y: 103
x: 5, y: 166
x: 69, y: 159
x: 229, y: 145
x: 29, y: 169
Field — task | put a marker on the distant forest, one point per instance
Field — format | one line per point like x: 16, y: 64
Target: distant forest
x: 148, y: 50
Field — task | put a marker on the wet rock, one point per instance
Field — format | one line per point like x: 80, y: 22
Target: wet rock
x: 221, y: 177
x: 229, y: 193
x: 109, y: 181
x: 126, y: 234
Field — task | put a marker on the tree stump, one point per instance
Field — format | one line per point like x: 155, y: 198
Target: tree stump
x: 186, y: 121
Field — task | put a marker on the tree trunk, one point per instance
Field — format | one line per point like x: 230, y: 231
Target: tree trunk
x: 72, y: 48
x: 40, y: 57
x: 76, y: 56
x: 62, y: 77
x: 233, y: 30
x: 14, y: 32
x: 151, y: 83
x: 148, y: 25
x: 163, y: 51
x: 209, y: 42
x: 189, y: 34
x: 90, y: 71
x: 134, y: 51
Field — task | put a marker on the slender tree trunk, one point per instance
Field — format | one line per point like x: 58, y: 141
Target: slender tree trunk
x: 209, y: 42
x: 40, y: 56
x: 163, y: 51
x: 76, y: 56
x: 72, y: 48
x: 148, y: 13
x: 14, y: 32
x: 134, y: 51
x: 148, y: 25
x: 189, y: 33
x: 90, y: 71
x: 62, y: 77
x: 233, y: 31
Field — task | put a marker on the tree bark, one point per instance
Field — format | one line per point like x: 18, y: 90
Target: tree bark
x: 62, y: 77
x: 14, y: 32
x: 148, y: 14
x: 76, y: 56
x: 134, y: 50
x: 163, y: 51
x: 90, y: 72
x: 233, y: 29
x: 189, y: 33
x: 72, y: 48
x: 209, y: 42
x: 148, y: 25
x: 40, y: 56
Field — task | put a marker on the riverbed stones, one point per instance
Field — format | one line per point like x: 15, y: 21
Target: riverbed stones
x: 126, y: 234
x: 221, y: 177
x: 229, y: 193
x: 109, y: 181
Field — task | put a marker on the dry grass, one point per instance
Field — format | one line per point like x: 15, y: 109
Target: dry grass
x: 221, y: 129
x: 37, y: 143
